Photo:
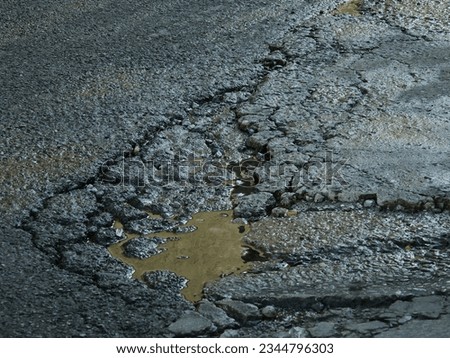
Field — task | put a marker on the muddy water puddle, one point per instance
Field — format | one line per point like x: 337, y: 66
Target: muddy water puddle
x: 211, y: 251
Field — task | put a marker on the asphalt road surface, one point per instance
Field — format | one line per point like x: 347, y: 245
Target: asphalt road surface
x: 86, y: 85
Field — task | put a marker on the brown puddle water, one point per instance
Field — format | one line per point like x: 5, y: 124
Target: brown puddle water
x: 351, y: 7
x: 210, y: 252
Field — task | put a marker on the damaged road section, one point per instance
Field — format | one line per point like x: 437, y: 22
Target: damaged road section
x: 348, y: 273
x: 341, y: 137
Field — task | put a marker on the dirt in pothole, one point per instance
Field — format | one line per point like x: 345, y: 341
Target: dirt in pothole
x: 211, y: 251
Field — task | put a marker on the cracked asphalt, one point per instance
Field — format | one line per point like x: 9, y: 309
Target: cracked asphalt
x: 325, y: 124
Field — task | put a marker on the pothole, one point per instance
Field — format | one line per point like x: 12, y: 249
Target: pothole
x: 213, y: 250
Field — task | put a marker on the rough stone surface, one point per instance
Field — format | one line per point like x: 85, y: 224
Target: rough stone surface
x: 294, y: 332
x: 323, y: 330
x: 269, y: 312
x: 420, y: 328
x: 88, y: 259
x: 367, y: 327
x: 143, y: 247
x: 145, y: 226
x: 164, y: 280
x: 216, y: 315
x: 297, y: 332
x: 191, y: 324
x: 240, y: 311
x: 230, y: 333
x: 254, y: 206
x: 279, y: 212
x: 107, y: 236
x: 423, y: 307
